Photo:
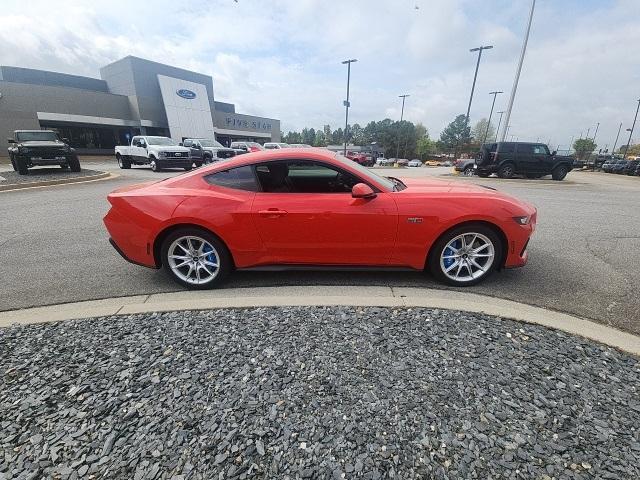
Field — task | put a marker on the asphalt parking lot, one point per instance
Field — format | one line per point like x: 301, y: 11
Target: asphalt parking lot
x: 584, y: 256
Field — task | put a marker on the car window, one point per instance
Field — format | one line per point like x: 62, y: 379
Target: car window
x: 526, y: 148
x: 42, y: 136
x: 507, y: 148
x: 240, y: 178
x: 187, y: 143
x: 304, y: 176
x: 539, y: 150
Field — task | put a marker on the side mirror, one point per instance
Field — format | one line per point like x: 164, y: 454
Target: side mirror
x: 362, y: 190
x: 10, y: 140
x: 65, y: 140
x: 553, y: 154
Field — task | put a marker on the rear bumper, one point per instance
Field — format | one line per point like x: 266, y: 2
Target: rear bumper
x: 123, y: 255
x: 131, y: 240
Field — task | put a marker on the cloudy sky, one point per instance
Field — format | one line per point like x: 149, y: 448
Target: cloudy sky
x: 281, y: 58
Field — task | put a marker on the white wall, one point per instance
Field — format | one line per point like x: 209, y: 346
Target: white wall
x: 186, y: 117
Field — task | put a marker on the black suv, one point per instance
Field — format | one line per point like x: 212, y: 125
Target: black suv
x: 533, y: 160
x: 630, y: 167
x: 30, y: 148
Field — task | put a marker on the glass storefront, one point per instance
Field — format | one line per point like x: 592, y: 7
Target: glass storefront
x: 95, y: 138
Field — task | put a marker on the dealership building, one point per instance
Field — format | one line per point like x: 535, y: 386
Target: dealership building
x: 133, y: 97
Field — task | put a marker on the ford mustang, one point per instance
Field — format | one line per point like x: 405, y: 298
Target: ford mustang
x: 311, y: 207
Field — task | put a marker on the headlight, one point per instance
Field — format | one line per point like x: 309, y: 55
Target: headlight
x: 524, y: 220
x: 23, y: 150
x: 162, y: 154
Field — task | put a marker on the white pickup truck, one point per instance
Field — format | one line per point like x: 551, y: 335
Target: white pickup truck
x: 158, y: 152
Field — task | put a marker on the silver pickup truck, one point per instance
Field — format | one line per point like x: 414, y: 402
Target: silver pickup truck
x: 158, y: 152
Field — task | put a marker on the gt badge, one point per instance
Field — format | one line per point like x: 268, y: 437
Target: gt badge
x: 414, y: 219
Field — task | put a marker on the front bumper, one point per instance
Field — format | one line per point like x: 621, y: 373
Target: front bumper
x: 36, y: 160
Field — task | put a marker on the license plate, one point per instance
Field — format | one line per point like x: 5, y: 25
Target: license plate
x: 36, y: 158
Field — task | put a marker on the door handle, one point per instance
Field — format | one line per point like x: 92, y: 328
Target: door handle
x: 272, y: 213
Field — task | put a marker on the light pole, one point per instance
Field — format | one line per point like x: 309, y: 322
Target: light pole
x: 403, y: 97
x: 518, y: 70
x: 499, y: 122
x: 594, y: 145
x: 631, y: 131
x: 346, y: 104
x: 475, y: 76
x: 613, y: 150
x: 495, y: 94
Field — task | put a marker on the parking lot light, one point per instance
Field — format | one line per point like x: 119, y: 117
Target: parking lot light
x: 475, y: 76
x: 403, y: 97
x: 630, y: 130
x: 495, y: 94
x: 346, y: 104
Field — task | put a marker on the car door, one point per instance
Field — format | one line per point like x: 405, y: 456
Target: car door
x: 308, y: 216
x: 542, y: 162
x: 138, y: 149
x: 525, y: 158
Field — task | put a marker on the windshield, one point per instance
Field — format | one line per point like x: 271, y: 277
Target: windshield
x: 42, y: 136
x: 367, y: 173
x: 210, y: 143
x: 161, y: 141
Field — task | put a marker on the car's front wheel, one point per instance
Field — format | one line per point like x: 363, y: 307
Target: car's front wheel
x: 468, y: 171
x: 195, y: 258
x: 506, y: 171
x: 465, y: 255
x: 559, y: 172
x: 154, y: 165
x: 74, y: 164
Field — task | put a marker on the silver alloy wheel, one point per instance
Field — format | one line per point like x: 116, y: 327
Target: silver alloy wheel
x: 468, y: 172
x: 119, y: 161
x: 154, y: 166
x: 467, y: 257
x: 193, y: 260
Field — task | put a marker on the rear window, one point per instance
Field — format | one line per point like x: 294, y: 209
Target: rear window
x: 240, y: 178
x: 507, y: 147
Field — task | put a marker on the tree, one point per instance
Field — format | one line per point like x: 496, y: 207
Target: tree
x: 478, y: 132
x: 320, y: 140
x: 456, y: 134
x: 583, y: 148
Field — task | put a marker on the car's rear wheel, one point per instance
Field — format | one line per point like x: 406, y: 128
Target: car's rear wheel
x: 559, y: 172
x: 190, y: 167
x: 506, y: 171
x: 468, y: 171
x: 465, y: 255
x: 123, y: 162
x: 195, y: 258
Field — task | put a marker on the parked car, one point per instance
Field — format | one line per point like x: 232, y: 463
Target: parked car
x: 446, y: 163
x: 402, y: 162
x: 32, y: 148
x: 415, y: 163
x: 275, y: 145
x: 533, y: 160
x: 607, y: 165
x: 204, y: 150
x: 158, y: 152
x: 299, y: 145
x: 246, y: 147
x: 618, y: 167
x: 254, y: 211
x: 385, y: 162
x: 637, y: 172
x: 630, y: 167
x: 360, y: 158
x: 466, y: 166
x: 432, y: 163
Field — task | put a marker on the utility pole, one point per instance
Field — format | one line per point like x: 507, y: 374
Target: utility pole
x: 495, y: 94
x: 631, y: 131
x: 346, y: 104
x: 499, y: 122
x: 613, y: 150
x: 403, y: 97
x: 518, y: 70
x: 475, y: 76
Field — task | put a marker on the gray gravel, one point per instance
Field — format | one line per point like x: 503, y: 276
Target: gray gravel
x: 312, y: 392
x: 42, y: 174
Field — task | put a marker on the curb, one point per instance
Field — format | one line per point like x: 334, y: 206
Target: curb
x: 47, y: 183
x: 327, y: 296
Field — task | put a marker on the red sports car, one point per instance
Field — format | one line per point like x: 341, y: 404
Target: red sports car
x: 311, y: 207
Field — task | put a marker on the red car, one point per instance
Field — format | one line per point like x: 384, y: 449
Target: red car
x: 360, y: 158
x: 309, y: 207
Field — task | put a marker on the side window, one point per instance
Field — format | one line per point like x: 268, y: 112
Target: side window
x: 188, y: 143
x: 304, y: 176
x: 526, y: 149
x: 507, y: 148
x: 241, y: 178
x: 539, y: 150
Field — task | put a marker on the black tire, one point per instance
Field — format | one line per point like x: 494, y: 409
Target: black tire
x: 21, y: 163
x: 74, y: 164
x: 13, y: 163
x: 225, y: 260
x: 559, y: 172
x: 64, y: 166
x: 207, y: 159
x: 438, y: 247
x: 506, y: 170
x: 189, y: 168
x: 154, y: 164
x: 123, y: 162
x: 198, y: 164
x: 468, y: 171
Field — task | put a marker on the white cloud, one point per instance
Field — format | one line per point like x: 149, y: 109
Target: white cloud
x: 282, y: 58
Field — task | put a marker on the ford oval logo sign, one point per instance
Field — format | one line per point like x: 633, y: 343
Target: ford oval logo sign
x: 184, y: 93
